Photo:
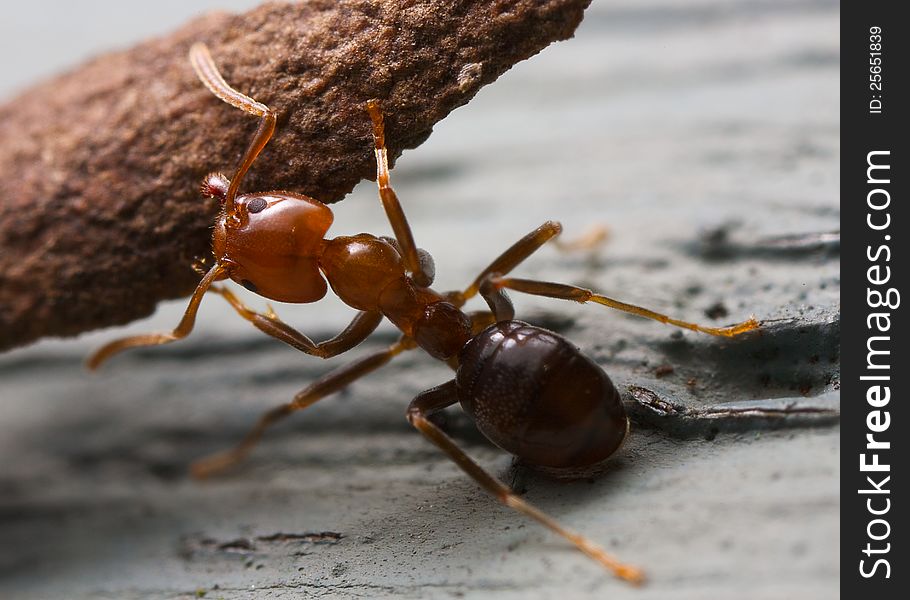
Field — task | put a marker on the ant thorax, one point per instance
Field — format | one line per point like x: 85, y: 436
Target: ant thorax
x: 368, y: 273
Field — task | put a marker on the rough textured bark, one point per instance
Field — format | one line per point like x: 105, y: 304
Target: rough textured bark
x: 715, y: 186
x: 99, y: 212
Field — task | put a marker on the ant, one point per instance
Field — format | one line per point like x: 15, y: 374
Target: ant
x: 530, y: 391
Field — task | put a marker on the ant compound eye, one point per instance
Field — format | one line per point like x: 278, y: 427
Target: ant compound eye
x: 215, y: 185
x: 256, y: 205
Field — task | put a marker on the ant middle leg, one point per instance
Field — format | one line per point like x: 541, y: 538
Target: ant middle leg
x: 391, y: 204
x: 577, y: 294
x: 326, y: 385
x: 156, y: 339
x: 359, y: 329
x: 438, y: 398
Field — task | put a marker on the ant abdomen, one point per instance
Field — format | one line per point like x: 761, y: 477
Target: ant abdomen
x: 534, y: 394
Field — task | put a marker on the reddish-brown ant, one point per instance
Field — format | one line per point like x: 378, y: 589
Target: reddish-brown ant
x: 529, y: 390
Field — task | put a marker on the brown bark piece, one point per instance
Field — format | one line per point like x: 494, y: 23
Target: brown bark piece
x: 100, y: 217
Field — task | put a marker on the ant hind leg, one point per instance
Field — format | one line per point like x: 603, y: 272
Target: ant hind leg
x: 590, y: 241
x: 528, y: 245
x: 438, y: 398
x: 326, y: 385
x: 577, y: 294
x: 508, y: 260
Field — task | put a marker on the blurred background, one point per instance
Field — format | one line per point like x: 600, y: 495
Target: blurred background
x: 703, y: 134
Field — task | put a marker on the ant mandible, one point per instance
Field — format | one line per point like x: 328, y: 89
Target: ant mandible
x: 529, y: 390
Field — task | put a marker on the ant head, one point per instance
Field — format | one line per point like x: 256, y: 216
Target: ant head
x: 215, y: 185
x: 273, y: 244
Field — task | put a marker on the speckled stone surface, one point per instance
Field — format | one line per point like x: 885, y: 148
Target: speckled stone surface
x: 706, y: 138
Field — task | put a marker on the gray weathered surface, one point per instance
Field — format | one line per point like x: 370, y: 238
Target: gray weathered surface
x: 703, y: 137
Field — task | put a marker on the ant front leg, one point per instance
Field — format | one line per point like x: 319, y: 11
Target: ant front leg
x: 326, y: 385
x: 402, y: 230
x: 155, y: 339
x: 582, y: 295
x: 359, y: 329
x: 438, y: 398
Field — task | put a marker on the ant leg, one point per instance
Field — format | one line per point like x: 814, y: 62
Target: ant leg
x: 363, y: 324
x: 577, y: 294
x: 440, y: 397
x: 427, y: 264
x: 390, y: 203
x: 327, y: 384
x: 155, y: 339
x: 497, y: 300
x: 593, y: 238
x: 480, y: 320
x: 510, y: 259
x: 208, y: 73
